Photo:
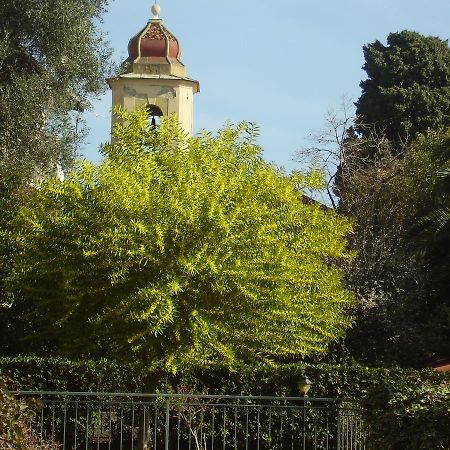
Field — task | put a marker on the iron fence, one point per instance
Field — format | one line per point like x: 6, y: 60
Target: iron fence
x: 111, y: 421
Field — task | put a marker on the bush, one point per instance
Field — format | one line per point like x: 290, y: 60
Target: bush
x: 351, y: 382
x: 413, y: 414
x: 37, y: 373
x: 14, y: 434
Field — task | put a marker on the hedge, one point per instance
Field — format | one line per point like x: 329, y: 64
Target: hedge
x: 330, y: 380
x: 402, y: 407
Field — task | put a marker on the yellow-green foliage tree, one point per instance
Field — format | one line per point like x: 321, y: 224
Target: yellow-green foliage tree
x: 179, y: 250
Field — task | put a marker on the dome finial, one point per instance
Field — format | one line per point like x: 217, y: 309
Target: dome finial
x: 156, y: 9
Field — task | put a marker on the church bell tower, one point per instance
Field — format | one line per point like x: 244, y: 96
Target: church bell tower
x: 155, y: 77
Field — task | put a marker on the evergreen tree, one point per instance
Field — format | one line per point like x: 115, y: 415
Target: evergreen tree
x: 408, y: 86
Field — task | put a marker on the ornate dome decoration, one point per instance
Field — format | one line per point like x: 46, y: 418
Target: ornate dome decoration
x: 155, y: 44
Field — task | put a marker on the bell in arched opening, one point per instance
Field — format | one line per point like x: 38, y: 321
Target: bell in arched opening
x: 154, y: 114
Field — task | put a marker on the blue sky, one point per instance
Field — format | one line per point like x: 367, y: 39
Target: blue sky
x: 280, y: 64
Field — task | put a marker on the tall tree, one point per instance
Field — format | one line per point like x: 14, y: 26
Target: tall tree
x: 400, y: 204
x: 387, y: 179
x: 408, y: 86
x: 401, y: 274
x: 181, y: 251
x: 52, y: 58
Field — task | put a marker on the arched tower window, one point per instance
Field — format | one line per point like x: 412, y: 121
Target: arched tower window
x: 154, y: 114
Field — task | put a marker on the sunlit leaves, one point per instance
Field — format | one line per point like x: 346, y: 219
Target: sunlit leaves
x: 180, y: 250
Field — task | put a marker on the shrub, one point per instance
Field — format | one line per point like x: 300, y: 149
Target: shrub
x: 37, y: 373
x: 412, y: 414
x: 350, y: 381
x: 14, y: 433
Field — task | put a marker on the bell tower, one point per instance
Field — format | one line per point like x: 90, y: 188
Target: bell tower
x: 155, y: 77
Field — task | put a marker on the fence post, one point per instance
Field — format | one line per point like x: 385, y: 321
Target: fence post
x: 339, y: 424
x: 166, y: 445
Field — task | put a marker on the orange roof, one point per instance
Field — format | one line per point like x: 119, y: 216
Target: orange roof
x: 445, y: 367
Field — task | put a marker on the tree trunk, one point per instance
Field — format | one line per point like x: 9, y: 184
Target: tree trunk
x: 144, y: 430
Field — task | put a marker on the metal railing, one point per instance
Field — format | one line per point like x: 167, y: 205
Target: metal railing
x: 111, y: 421
x: 351, y: 435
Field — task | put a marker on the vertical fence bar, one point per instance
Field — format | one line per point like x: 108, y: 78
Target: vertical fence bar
x: 109, y: 428
x: 64, y: 426
x: 190, y: 426
x: 259, y: 424
x: 348, y: 429
x: 246, y: 428
x: 75, y: 432
x: 87, y: 426
x: 42, y: 421
x: 235, y: 427
x: 132, y: 426
x: 304, y: 424
x: 270, y: 427
x: 99, y: 427
x: 53, y: 421
x: 224, y: 436
x: 212, y: 426
x: 166, y: 445
x: 315, y: 432
x: 351, y: 430
x: 178, y: 426
x: 202, y: 418
x: 121, y: 428
x: 281, y: 429
x: 155, y: 428
x: 292, y: 428
x: 338, y: 410
x: 144, y: 419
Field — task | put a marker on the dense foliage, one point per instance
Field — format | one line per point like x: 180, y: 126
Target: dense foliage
x: 401, y: 274
x: 31, y: 372
x: 408, y: 86
x: 14, y: 415
x: 52, y: 57
x: 400, y: 204
x: 10, y: 198
x: 391, y: 163
x: 349, y: 381
x: 181, y: 250
x: 52, y: 60
x: 429, y: 184
x: 413, y: 415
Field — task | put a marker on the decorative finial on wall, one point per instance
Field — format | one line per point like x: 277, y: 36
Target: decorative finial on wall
x: 156, y: 9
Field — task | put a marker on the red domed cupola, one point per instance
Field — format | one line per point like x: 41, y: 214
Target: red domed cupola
x: 154, y: 78
x: 154, y: 41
